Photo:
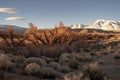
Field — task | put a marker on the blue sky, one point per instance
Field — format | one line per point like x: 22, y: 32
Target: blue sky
x: 47, y: 13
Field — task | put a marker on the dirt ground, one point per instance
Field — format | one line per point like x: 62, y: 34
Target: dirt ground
x: 110, y: 66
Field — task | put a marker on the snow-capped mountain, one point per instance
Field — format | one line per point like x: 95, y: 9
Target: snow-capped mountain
x: 107, y: 25
x: 16, y: 28
x: 78, y: 26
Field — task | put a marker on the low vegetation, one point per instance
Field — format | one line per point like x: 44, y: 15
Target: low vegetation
x: 56, y: 54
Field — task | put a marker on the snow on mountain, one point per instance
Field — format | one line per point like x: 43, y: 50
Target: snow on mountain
x: 107, y: 25
x: 78, y: 26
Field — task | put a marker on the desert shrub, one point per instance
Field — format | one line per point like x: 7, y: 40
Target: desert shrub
x: 2, y: 52
x: 69, y: 59
x: 32, y: 68
x: 58, y: 35
x: 51, y: 51
x: 43, y: 50
x: 47, y: 72
x: 93, y: 72
x: 47, y: 59
x: 19, y: 59
x: 6, y: 62
x: 50, y: 73
x: 11, y: 35
x: 35, y: 69
x: 58, y: 67
x: 54, y: 65
x: 83, y: 57
x: 11, y: 38
x: 63, y: 69
x: 109, y: 48
x: 29, y: 51
x: 74, y: 76
x: 73, y: 60
x: 39, y: 61
x: 64, y: 58
x: 73, y: 63
x: 75, y: 46
x: 65, y: 55
x: 64, y: 48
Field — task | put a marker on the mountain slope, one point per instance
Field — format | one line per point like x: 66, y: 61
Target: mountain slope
x: 107, y: 25
x: 16, y: 28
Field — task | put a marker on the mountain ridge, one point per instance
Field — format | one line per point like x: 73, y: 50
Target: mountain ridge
x: 3, y: 27
x: 108, y: 25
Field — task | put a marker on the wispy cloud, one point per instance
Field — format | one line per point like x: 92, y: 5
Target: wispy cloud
x: 15, y: 18
x: 8, y: 10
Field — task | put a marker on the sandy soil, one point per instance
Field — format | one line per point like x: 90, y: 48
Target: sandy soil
x: 110, y: 66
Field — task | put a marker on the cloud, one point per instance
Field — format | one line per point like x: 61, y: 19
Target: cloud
x: 15, y: 18
x: 8, y: 10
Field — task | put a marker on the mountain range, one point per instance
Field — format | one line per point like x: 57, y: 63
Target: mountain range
x: 107, y: 25
x: 16, y: 28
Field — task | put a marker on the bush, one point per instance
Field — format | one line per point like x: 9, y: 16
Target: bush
x: 74, y: 76
x: 93, y: 72
x: 32, y: 68
x: 39, y: 61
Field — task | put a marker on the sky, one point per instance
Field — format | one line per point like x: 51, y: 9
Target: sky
x: 48, y: 13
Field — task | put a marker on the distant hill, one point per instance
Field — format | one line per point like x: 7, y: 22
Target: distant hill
x: 17, y: 28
